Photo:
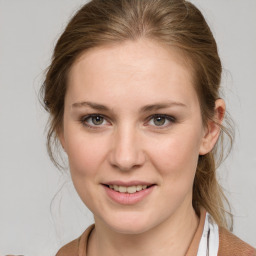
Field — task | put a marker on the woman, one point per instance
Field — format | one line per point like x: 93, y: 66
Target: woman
x: 133, y: 97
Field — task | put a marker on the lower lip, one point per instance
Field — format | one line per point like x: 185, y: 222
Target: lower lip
x: 126, y: 198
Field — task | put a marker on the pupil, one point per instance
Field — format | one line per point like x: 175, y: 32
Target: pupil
x: 159, y: 120
x: 97, y: 120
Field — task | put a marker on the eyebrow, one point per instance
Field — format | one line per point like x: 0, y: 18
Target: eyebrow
x: 90, y: 104
x: 157, y: 106
x: 146, y: 108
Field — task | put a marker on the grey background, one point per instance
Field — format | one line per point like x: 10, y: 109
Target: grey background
x: 33, y: 221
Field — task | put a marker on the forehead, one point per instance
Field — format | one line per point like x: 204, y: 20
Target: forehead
x: 131, y: 68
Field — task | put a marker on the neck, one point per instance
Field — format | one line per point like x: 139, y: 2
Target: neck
x: 171, y: 237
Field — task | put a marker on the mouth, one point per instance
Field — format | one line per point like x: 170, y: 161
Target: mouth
x: 128, y: 193
x: 128, y: 189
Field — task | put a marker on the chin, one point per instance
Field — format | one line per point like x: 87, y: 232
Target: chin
x: 128, y: 229
x: 130, y: 224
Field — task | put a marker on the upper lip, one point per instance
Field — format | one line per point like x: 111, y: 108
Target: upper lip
x: 128, y: 183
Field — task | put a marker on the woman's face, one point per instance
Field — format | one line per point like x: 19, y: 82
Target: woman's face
x: 132, y: 120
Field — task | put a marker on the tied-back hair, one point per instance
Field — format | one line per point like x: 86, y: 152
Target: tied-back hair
x: 173, y: 23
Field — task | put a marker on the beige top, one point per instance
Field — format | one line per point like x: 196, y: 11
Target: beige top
x: 229, y: 244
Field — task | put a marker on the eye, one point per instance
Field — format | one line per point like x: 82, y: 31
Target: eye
x: 161, y: 120
x: 94, y: 120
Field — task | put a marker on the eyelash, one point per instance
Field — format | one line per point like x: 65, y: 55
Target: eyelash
x: 168, y: 118
x: 171, y: 119
x: 84, y: 121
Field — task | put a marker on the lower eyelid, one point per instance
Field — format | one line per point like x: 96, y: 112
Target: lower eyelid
x: 167, y: 117
x: 85, y: 123
x: 169, y: 121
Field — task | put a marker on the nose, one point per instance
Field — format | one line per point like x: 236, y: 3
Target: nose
x: 127, y: 152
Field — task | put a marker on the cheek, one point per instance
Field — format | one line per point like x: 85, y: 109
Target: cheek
x: 176, y: 161
x: 85, y: 153
x: 177, y: 155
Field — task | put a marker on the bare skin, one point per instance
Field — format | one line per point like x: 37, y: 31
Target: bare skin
x: 159, y: 241
x: 132, y: 116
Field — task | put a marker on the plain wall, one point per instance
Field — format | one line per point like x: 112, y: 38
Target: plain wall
x: 33, y: 221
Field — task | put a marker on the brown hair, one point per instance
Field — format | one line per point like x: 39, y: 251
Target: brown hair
x: 174, y: 23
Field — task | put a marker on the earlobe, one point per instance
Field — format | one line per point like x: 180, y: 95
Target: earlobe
x: 212, y: 131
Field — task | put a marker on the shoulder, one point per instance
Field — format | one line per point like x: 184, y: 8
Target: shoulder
x: 70, y: 249
x: 229, y: 244
x: 78, y: 246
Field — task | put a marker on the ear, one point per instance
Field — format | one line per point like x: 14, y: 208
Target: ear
x: 212, y: 130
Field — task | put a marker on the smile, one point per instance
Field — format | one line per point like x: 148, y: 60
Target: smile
x: 130, y: 189
x: 129, y: 194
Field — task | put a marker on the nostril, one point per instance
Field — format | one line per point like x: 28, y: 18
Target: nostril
x: 126, y: 156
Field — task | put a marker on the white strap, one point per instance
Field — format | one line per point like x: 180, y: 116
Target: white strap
x: 209, y: 243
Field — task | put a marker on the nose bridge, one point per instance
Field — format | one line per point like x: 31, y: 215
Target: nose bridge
x: 127, y: 151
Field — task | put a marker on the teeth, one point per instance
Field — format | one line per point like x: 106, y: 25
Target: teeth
x: 122, y: 189
x: 130, y: 190
x: 139, y: 187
